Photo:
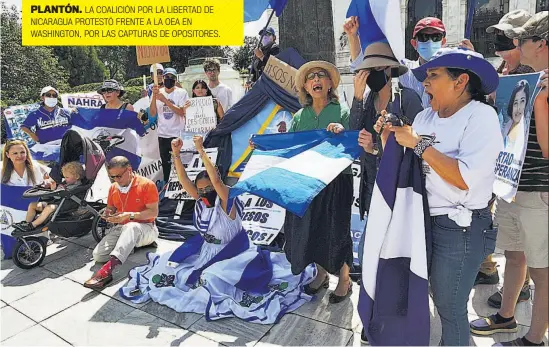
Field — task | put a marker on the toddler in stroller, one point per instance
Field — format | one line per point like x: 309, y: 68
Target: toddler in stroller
x: 74, y: 173
x: 72, y: 216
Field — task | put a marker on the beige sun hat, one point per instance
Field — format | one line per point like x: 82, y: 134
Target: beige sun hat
x: 305, y: 68
x: 380, y: 54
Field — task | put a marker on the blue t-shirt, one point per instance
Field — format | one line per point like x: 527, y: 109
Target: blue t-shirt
x: 48, y: 126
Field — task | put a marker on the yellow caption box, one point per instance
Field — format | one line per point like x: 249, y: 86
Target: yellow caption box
x: 133, y: 23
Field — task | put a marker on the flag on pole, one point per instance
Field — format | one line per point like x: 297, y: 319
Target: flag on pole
x: 379, y: 21
x: 291, y: 169
x: 253, y: 9
x: 394, y: 296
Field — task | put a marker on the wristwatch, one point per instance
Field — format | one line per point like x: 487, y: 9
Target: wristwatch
x: 375, y: 150
x: 132, y: 216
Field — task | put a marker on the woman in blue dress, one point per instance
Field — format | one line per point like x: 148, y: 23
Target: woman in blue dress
x: 219, y: 272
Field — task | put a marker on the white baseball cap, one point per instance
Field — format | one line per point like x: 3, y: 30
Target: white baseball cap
x: 159, y: 67
x: 47, y: 89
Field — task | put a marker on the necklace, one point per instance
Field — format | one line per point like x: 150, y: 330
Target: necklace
x: 127, y: 196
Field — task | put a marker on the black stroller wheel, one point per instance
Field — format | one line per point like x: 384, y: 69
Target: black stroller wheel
x: 29, y: 252
x: 100, y: 227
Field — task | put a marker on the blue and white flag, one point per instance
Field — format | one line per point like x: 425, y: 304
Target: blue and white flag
x: 379, y: 21
x: 291, y: 169
x: 13, y: 208
x: 394, y: 297
x: 253, y: 9
x: 94, y: 122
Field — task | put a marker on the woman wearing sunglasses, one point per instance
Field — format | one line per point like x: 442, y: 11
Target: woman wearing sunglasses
x: 49, y: 122
x: 219, y: 272
x: 112, y: 91
x: 322, y: 236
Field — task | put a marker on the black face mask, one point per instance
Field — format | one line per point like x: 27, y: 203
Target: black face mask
x: 169, y: 83
x: 502, y: 43
x: 377, y: 80
x: 209, y: 198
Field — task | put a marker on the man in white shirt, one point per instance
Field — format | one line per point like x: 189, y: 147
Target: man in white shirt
x: 169, y: 103
x: 428, y: 37
x: 220, y: 91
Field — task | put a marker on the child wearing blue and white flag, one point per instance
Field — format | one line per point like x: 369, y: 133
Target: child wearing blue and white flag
x: 219, y: 272
x: 459, y: 140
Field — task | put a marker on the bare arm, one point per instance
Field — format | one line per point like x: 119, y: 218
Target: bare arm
x: 30, y: 133
x: 447, y: 168
x: 541, y: 109
x: 185, y: 181
x: 220, y: 187
x: 129, y: 107
x: 350, y: 27
x: 150, y: 211
x: 220, y: 111
x: 152, y: 108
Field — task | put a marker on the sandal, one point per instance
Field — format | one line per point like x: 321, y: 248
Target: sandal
x: 312, y: 291
x: 487, y: 326
x: 335, y: 299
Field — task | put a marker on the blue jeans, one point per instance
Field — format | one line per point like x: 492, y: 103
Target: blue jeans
x: 456, y: 257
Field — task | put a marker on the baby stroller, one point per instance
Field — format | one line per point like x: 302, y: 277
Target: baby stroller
x: 74, y: 216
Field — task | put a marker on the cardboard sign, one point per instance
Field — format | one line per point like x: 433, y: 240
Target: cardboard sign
x: 282, y: 74
x: 261, y: 219
x: 200, y: 116
x: 148, y: 55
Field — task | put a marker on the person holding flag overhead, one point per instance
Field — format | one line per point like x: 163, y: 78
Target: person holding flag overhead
x: 459, y: 139
x: 268, y: 47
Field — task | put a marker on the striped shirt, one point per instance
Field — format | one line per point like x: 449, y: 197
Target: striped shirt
x: 535, y: 170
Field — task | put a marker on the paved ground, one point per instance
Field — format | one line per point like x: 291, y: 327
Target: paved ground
x: 49, y: 306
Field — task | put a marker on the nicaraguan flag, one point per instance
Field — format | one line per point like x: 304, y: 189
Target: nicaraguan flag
x: 94, y: 122
x: 394, y: 300
x: 379, y: 20
x: 290, y: 169
x: 253, y: 9
x: 13, y: 208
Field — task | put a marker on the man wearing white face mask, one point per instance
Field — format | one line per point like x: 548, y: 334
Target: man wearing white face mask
x: 428, y: 37
x: 49, y: 122
x: 268, y: 48
x: 132, y: 205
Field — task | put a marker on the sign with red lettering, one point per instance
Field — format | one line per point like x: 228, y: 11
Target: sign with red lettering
x: 148, y: 55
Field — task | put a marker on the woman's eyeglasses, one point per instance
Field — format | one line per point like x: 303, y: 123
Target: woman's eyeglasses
x: 205, y: 190
x: 50, y: 95
x: 436, y: 37
x: 108, y: 91
x: 319, y: 74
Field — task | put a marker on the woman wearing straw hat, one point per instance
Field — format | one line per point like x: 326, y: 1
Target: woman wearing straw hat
x: 459, y: 140
x: 112, y: 91
x: 375, y: 71
x: 323, y: 235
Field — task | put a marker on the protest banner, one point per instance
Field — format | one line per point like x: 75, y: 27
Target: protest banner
x: 200, y: 115
x: 174, y: 189
x: 282, y: 74
x: 15, y: 116
x: 514, y: 99
x: 261, y: 219
x: 88, y: 100
x: 148, y: 55
x: 357, y: 225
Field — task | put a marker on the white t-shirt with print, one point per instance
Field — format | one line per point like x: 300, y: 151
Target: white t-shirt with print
x: 170, y: 123
x: 473, y: 137
x: 224, y: 95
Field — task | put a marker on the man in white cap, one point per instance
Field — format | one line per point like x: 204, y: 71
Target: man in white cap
x: 49, y: 122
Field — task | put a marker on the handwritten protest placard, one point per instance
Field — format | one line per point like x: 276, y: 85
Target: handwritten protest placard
x: 200, y: 116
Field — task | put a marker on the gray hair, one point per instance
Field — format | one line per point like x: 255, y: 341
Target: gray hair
x: 118, y: 162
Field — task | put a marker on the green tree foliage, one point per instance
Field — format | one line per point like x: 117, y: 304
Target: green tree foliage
x: 115, y: 59
x: 243, y: 55
x: 25, y: 70
x: 82, y: 63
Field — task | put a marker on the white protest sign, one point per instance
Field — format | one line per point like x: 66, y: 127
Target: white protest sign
x: 87, y: 100
x: 261, y: 219
x: 174, y: 189
x: 200, y: 115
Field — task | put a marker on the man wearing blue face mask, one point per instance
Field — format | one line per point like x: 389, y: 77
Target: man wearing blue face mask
x: 268, y: 48
x: 428, y: 37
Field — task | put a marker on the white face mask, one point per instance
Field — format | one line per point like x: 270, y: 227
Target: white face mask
x: 50, y: 102
x: 126, y: 189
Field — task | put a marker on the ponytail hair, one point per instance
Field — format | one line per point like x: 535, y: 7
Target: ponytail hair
x: 474, y: 87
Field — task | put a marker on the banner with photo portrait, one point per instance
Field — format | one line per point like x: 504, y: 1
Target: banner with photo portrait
x: 515, y: 98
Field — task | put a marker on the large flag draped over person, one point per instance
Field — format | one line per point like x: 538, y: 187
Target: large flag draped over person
x: 13, y: 208
x: 96, y: 122
x: 253, y: 9
x: 379, y: 21
x: 291, y: 169
x: 394, y: 296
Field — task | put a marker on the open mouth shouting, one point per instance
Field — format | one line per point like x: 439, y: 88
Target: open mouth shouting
x: 317, y: 87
